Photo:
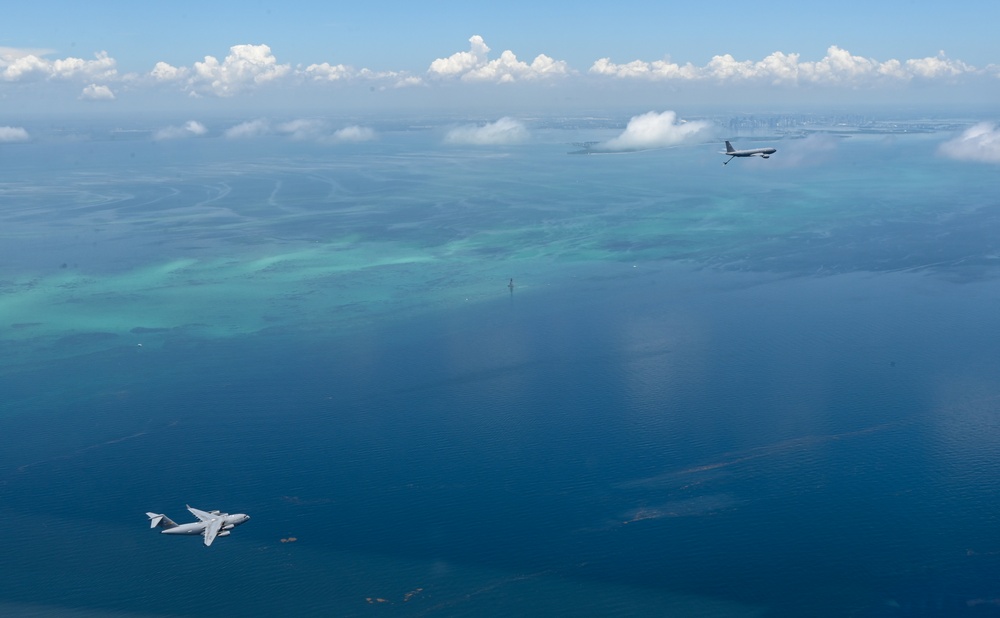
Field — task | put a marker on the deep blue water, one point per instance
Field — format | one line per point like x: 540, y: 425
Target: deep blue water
x: 766, y: 393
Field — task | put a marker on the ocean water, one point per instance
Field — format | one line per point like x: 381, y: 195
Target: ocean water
x: 763, y: 389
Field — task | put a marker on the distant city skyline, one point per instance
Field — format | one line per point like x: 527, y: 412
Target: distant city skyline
x: 397, y: 55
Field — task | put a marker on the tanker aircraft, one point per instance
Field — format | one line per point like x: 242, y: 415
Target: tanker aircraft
x: 763, y: 153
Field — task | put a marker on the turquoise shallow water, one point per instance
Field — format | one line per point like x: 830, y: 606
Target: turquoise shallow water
x: 759, y: 390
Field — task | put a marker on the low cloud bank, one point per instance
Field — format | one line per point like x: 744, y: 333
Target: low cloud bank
x: 246, y: 68
x: 977, y: 143
x: 303, y: 129
x: 250, y: 128
x: 191, y: 128
x: 13, y: 134
x: 838, y: 67
x: 507, y: 130
x: 354, y: 133
x: 653, y: 130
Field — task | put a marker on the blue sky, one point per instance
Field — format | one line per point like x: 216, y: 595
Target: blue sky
x: 68, y: 56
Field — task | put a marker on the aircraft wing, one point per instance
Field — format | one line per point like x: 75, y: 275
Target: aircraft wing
x: 212, y: 530
x: 201, y: 515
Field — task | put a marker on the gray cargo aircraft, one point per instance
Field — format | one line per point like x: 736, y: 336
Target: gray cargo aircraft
x: 210, y: 524
x: 763, y: 153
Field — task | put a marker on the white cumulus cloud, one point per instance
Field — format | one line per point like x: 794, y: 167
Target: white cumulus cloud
x: 245, y: 67
x: 408, y: 81
x: 303, y: 129
x: 15, y: 67
x: 977, y: 143
x: 300, y: 129
x: 250, y: 128
x: 328, y: 72
x: 319, y: 131
x: 659, y: 69
x: 249, y: 67
x: 191, y: 128
x: 506, y: 130
x: 93, y: 92
x: 938, y: 66
x: 837, y: 67
x: 13, y: 134
x: 460, y: 62
x: 166, y: 73
x: 653, y: 130
x: 475, y: 66
x: 354, y: 133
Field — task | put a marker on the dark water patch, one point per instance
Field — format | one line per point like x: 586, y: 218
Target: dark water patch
x: 144, y: 330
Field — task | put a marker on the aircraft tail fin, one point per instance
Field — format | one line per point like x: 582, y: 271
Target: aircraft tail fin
x: 729, y: 147
x: 161, y: 520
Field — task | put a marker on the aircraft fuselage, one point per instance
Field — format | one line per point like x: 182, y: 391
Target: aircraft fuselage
x: 763, y: 152
x: 198, y: 527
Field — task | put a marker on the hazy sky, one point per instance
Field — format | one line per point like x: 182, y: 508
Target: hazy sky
x: 229, y: 56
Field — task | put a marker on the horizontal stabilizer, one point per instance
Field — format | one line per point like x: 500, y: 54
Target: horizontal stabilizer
x: 158, y: 519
